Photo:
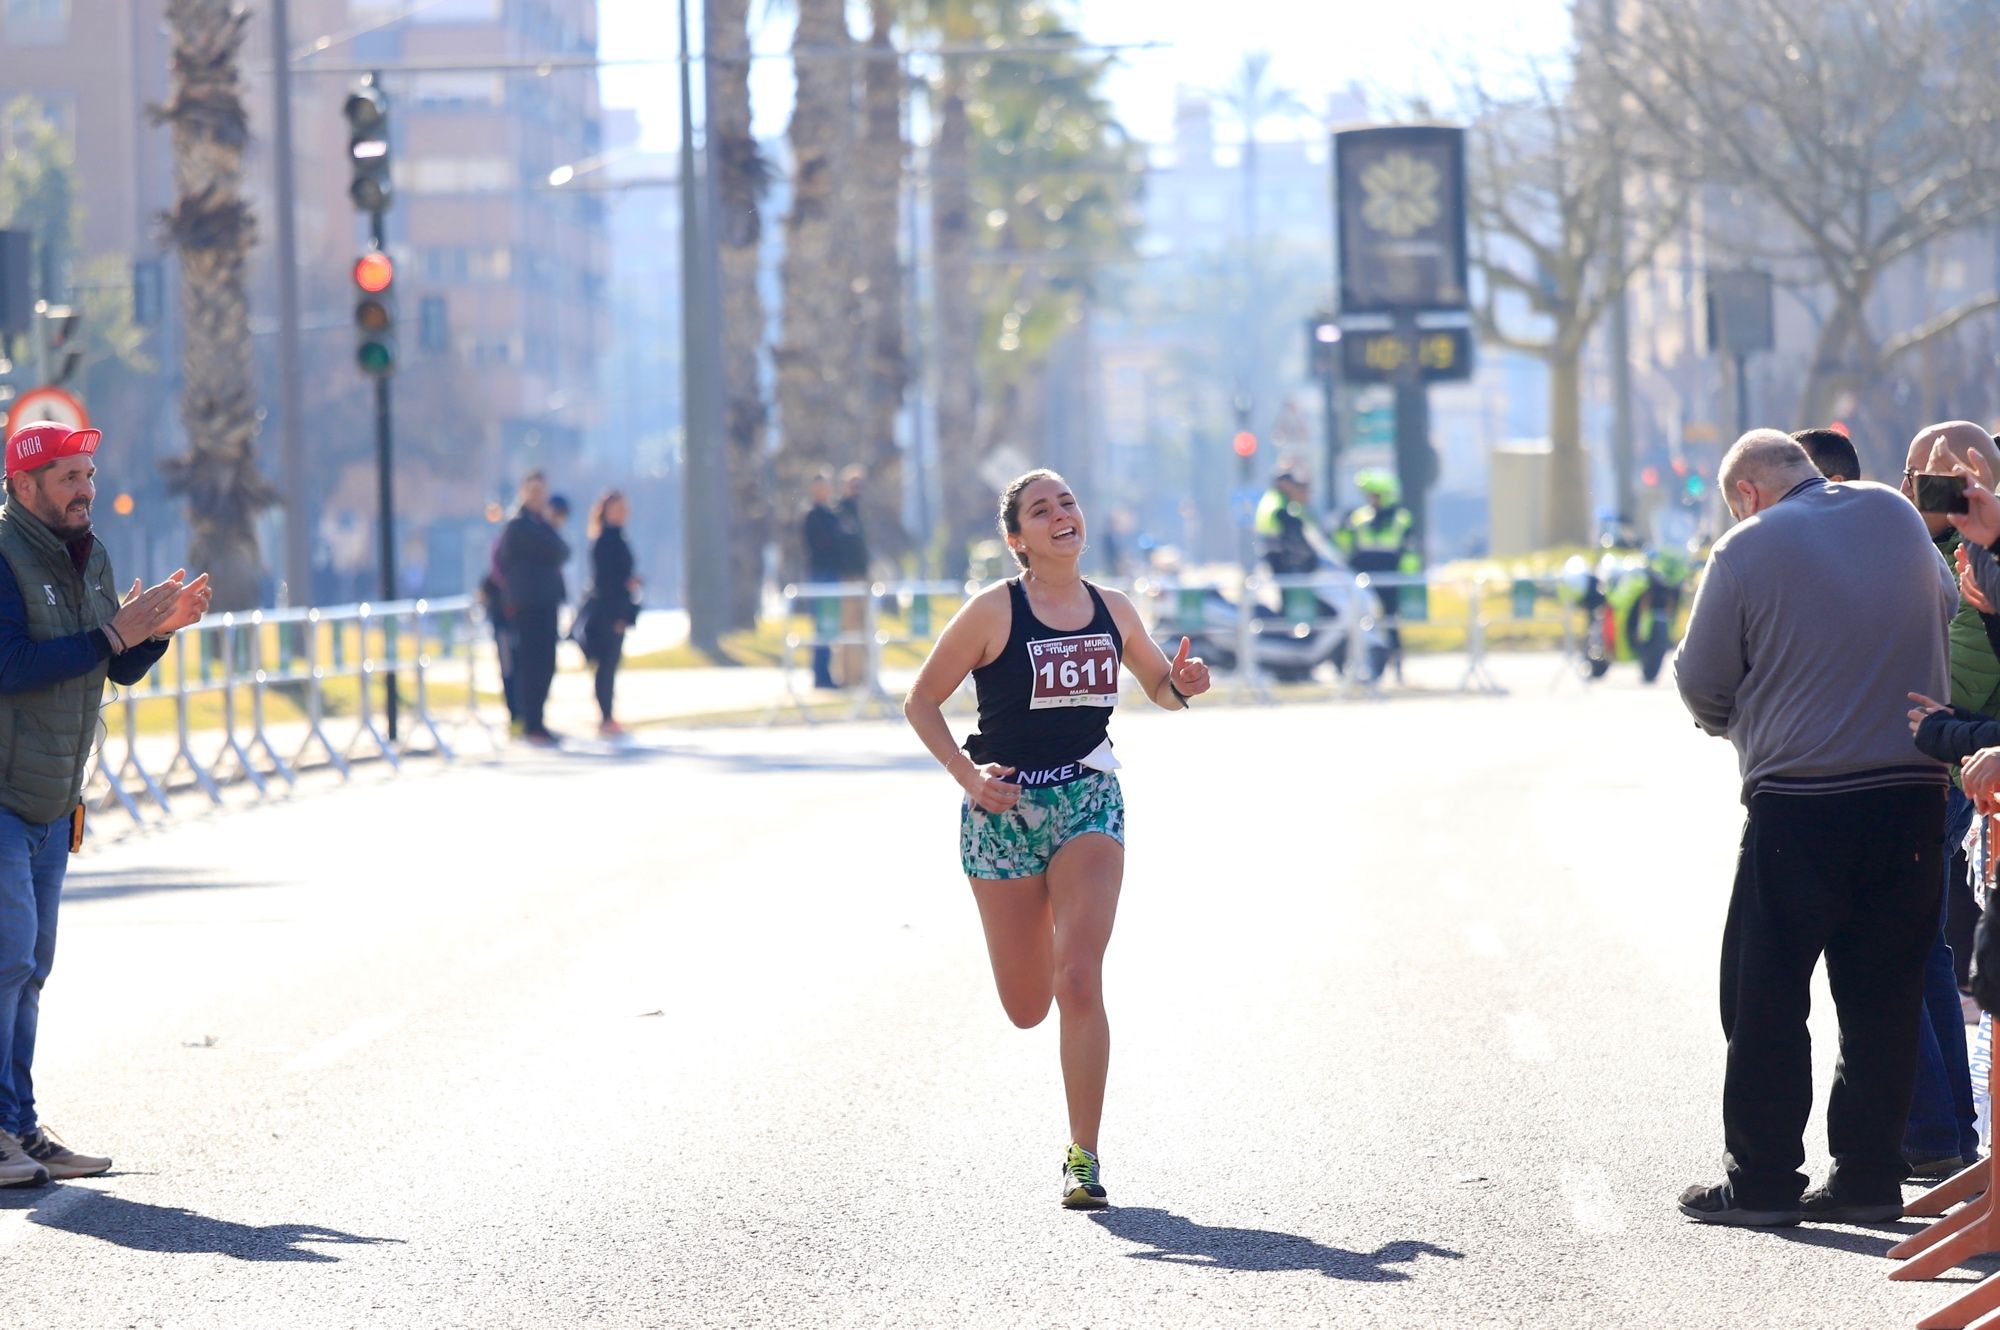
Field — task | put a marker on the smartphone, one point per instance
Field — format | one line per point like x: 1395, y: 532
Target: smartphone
x: 1940, y: 494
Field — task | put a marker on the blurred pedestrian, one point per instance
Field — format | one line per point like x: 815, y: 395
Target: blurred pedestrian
x: 854, y: 567
x: 63, y: 632
x: 610, y: 604
x: 1042, y: 828
x: 1841, y: 853
x: 825, y: 558
x: 531, y: 558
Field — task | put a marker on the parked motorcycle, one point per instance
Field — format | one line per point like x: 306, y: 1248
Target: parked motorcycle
x: 1292, y: 634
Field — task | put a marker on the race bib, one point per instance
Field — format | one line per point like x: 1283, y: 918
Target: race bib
x: 1080, y: 671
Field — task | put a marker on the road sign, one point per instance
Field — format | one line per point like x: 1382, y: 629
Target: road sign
x: 46, y: 403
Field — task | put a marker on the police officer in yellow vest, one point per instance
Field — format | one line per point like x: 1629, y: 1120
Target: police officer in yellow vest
x: 1377, y: 538
x: 63, y: 632
x: 1283, y: 521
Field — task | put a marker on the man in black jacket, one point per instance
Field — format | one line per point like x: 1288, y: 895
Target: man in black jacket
x: 532, y: 555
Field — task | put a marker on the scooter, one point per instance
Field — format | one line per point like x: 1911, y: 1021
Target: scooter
x: 1629, y: 603
x: 1292, y: 634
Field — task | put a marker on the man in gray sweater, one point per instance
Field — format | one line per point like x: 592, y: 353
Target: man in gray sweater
x: 1819, y: 613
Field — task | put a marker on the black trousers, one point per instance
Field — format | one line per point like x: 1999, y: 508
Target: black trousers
x: 1854, y: 877
x: 607, y: 649
x: 534, y: 663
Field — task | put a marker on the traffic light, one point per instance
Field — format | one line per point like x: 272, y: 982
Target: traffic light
x: 367, y: 112
x: 65, y: 347
x: 1244, y: 444
x: 375, y: 314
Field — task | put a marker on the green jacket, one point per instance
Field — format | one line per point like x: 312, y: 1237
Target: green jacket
x: 46, y: 735
x: 1975, y: 670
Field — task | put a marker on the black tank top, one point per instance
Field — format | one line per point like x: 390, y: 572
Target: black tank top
x: 1046, y: 699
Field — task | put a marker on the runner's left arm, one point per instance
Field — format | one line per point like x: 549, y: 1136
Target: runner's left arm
x: 1161, y: 678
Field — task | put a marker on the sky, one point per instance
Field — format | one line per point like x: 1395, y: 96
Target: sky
x: 1317, y: 46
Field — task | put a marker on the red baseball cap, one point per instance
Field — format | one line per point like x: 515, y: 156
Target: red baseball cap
x: 40, y: 442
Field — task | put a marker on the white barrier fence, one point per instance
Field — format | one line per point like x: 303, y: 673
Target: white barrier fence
x: 1258, y: 632
x: 302, y: 656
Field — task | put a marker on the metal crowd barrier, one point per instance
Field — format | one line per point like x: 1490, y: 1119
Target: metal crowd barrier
x: 849, y: 617
x: 296, y: 653
x: 846, y: 618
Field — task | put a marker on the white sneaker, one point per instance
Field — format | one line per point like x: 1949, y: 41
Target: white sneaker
x: 16, y: 1169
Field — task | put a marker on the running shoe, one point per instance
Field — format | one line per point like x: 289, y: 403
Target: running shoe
x: 16, y: 1169
x: 63, y: 1163
x: 1083, y: 1181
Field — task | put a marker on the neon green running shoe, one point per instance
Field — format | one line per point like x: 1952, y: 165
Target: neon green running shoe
x: 1083, y: 1181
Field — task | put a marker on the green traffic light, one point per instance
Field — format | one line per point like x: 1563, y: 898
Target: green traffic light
x: 376, y: 359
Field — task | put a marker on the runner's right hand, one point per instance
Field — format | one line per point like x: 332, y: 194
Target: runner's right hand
x: 988, y: 789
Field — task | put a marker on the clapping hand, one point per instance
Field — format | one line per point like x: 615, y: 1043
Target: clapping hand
x: 1968, y: 586
x: 1981, y: 519
x: 1188, y: 674
x: 189, y: 605
x: 1980, y: 775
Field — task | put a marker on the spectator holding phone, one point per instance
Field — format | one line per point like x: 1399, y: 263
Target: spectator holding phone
x: 1943, y: 1135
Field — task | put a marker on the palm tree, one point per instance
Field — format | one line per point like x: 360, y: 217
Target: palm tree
x: 966, y: 499
x: 883, y: 370
x: 817, y: 270
x: 211, y: 226
x: 741, y: 177
x: 1251, y: 98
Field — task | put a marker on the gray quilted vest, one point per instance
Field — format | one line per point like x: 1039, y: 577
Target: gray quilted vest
x: 46, y: 736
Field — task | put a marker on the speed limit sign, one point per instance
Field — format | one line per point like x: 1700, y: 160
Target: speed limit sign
x: 47, y: 403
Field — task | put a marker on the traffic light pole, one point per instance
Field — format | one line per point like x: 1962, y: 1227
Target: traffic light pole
x: 385, y: 493
x: 1416, y: 463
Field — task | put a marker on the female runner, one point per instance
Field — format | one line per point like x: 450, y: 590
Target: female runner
x: 1042, y: 830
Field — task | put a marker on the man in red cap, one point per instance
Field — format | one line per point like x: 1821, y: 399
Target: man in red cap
x: 63, y: 632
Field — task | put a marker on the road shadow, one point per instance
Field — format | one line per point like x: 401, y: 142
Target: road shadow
x: 1876, y: 1240
x: 175, y: 1231
x: 1180, y: 1241
x: 103, y: 884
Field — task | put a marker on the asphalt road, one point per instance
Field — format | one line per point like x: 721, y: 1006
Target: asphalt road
x: 1413, y: 1011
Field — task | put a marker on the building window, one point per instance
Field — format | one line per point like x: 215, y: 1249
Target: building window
x: 35, y: 22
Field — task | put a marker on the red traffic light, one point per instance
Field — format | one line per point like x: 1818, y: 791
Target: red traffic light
x: 373, y: 272
x: 1244, y: 444
x: 1650, y: 477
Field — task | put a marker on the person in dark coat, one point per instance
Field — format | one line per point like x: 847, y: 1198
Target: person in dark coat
x: 531, y: 559
x: 824, y: 549
x: 610, y: 604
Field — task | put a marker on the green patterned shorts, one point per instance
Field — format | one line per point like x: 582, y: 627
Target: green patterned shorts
x: 1021, y: 841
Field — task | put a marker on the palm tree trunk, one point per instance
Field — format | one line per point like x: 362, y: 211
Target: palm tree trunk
x: 967, y: 504
x: 817, y: 274
x: 212, y: 228
x: 877, y: 217
x: 741, y: 176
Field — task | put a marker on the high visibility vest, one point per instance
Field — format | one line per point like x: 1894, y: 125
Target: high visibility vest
x: 1371, y: 532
